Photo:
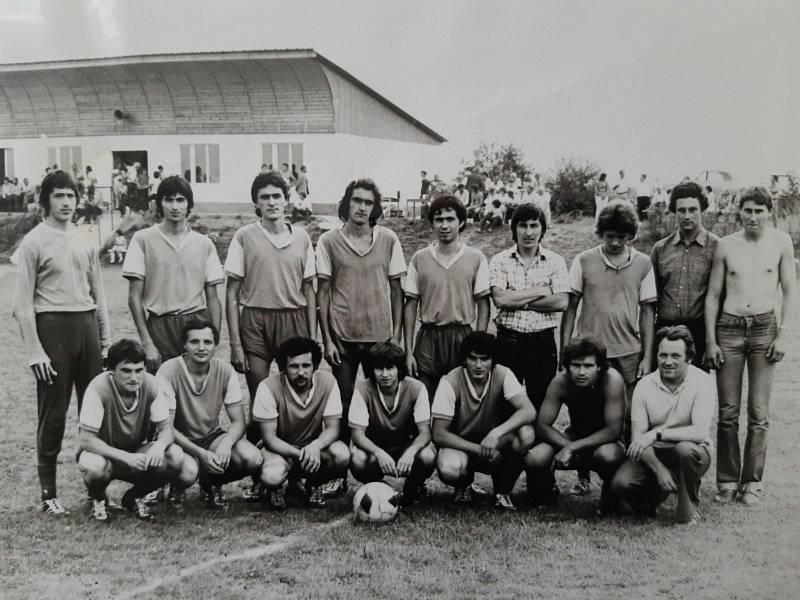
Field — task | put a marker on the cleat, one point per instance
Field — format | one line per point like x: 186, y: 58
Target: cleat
x: 462, y: 496
x: 176, y: 497
x: 582, y: 488
x: 334, y: 488
x: 136, y: 506
x: 504, y: 502
x: 255, y: 493
x: 98, y: 510
x: 296, y: 488
x: 316, y: 499
x: 214, y: 498
x: 155, y: 496
x: 480, y: 492
x: 276, y: 499
x: 53, y: 506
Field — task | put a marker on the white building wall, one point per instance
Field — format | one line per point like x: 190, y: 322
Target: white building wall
x: 332, y: 161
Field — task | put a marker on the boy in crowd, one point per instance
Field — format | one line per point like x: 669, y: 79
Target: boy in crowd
x: 530, y: 288
x: 682, y: 266
x: 119, y: 407
x: 197, y: 386
x: 448, y: 283
x: 390, y: 422
x: 671, y: 419
x: 594, y: 395
x: 60, y: 307
x: 482, y: 421
x: 173, y: 274
x: 749, y: 266
x: 299, y: 411
x: 360, y: 295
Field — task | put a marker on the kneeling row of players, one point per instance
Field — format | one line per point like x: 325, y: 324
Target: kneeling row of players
x: 153, y: 430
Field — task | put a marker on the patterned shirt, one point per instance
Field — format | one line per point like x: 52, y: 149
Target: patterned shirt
x: 508, y: 272
x: 682, y: 271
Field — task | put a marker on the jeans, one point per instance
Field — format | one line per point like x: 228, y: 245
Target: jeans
x: 744, y: 340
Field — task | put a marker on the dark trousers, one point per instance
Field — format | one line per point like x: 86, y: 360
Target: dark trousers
x: 635, y: 483
x: 352, y: 355
x: 437, y: 351
x: 697, y: 327
x: 532, y: 357
x: 72, y: 341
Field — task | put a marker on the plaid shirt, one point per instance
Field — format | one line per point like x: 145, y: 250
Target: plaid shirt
x: 508, y: 272
x: 682, y: 273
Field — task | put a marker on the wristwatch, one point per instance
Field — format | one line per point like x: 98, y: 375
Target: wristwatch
x: 659, y: 431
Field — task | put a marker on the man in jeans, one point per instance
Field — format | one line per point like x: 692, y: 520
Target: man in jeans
x: 530, y: 288
x: 749, y: 265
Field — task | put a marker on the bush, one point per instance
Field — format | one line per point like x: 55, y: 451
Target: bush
x: 570, y: 189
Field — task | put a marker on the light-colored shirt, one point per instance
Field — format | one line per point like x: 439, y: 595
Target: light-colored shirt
x: 358, y: 415
x: 174, y: 277
x: 690, y: 405
x: 265, y: 407
x: 444, y: 400
x: 508, y: 272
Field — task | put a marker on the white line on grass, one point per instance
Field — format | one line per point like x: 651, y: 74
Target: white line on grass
x: 250, y: 553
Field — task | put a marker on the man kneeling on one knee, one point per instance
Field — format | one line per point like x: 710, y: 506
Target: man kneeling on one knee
x: 671, y: 416
x: 390, y: 424
x: 482, y: 421
x: 118, y: 409
x: 299, y: 411
x: 594, y: 394
x: 197, y: 386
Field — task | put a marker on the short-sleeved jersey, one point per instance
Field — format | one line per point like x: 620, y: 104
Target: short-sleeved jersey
x: 471, y: 416
x: 299, y: 422
x: 362, y: 278
x: 390, y: 423
x: 174, y: 277
x: 610, y: 298
x: 272, y: 267
x: 447, y: 290
x: 122, y: 424
x: 196, y: 409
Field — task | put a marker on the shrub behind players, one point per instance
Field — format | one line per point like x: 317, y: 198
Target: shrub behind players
x: 390, y: 422
x: 299, y: 411
x: 594, y: 395
x: 671, y: 418
x: 60, y: 307
x: 119, y: 407
x: 482, y: 421
x: 448, y: 284
x: 749, y: 266
x: 197, y: 386
x: 173, y: 274
x: 359, y: 293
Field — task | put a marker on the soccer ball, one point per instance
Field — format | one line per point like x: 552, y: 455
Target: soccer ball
x: 375, y: 502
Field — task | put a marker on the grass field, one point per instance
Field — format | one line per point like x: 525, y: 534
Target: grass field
x: 427, y: 552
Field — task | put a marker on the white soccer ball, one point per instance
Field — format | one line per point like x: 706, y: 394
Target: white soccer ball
x: 375, y: 502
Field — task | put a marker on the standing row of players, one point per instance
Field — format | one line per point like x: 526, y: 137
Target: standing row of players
x: 271, y: 267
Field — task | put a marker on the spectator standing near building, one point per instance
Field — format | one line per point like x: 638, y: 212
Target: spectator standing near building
x: 425, y: 185
x: 644, y: 195
x: 301, y: 184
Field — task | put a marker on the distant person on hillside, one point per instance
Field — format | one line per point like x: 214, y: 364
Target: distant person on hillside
x: 644, y: 195
x: 286, y: 174
x: 447, y: 285
x: 594, y: 395
x: 671, y: 418
x: 749, y: 267
x: 482, y: 422
x: 60, y: 306
x: 475, y: 208
x: 270, y: 291
x: 425, y: 184
x: 474, y: 179
x: 682, y: 267
x: 621, y: 188
x: 601, y: 195
x: 493, y: 215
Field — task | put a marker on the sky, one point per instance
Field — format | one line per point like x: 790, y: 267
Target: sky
x: 663, y: 87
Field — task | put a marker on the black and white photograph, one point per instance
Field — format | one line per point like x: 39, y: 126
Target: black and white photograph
x: 441, y: 299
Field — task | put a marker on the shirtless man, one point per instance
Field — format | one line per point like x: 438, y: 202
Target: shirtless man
x: 747, y: 265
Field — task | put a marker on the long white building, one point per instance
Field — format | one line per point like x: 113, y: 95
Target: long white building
x: 216, y: 117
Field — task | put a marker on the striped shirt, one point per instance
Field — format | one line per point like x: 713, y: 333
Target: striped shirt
x: 682, y: 271
x: 508, y: 272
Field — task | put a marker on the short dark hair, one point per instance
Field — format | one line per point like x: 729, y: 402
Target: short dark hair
x: 169, y: 186
x: 756, y: 194
x: 364, y: 183
x: 618, y: 216
x: 687, y: 189
x: 585, y: 346
x: 674, y: 333
x: 125, y: 350
x: 295, y: 347
x: 262, y: 180
x: 526, y: 212
x: 448, y: 201
x: 53, y: 180
x: 385, y: 354
x: 478, y: 342
x: 195, y: 324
